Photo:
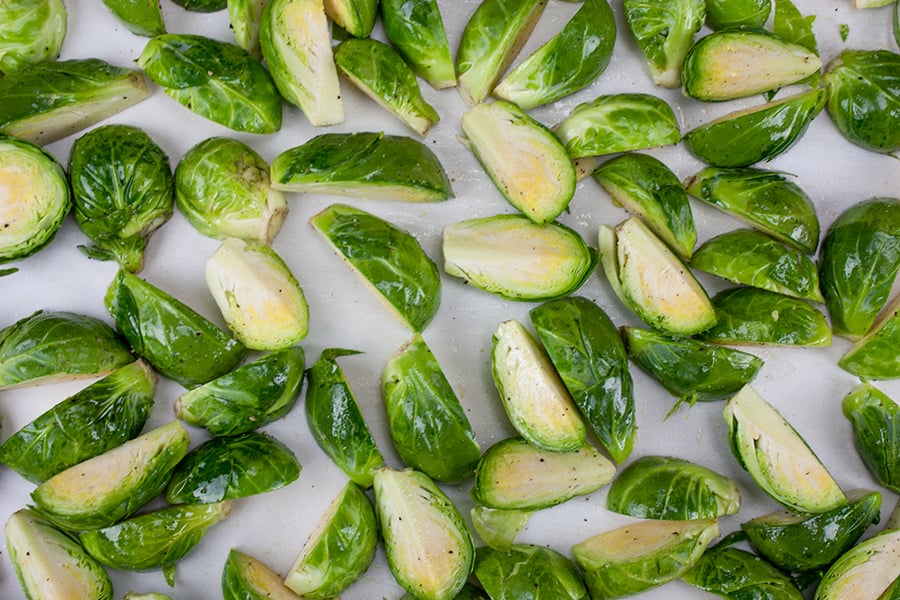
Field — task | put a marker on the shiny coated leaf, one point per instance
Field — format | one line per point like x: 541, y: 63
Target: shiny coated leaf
x: 734, y: 573
x: 526, y: 571
x: 875, y: 418
x: 416, y: 30
x: 665, y: 32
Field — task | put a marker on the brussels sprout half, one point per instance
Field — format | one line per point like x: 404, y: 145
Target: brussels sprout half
x: 516, y: 572
x: 734, y: 573
x: 246, y: 578
x: 416, y: 30
x: 874, y: 355
x: 665, y: 32
x: 749, y: 14
x: 30, y: 32
x: 867, y: 570
x: 140, y: 17
x: 875, y: 418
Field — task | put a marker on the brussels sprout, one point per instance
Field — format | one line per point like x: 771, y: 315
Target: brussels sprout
x: 777, y: 458
x: 246, y: 578
x: 874, y: 355
x: 864, y: 98
x: 389, y: 259
x: 49, y: 346
x: 876, y: 429
x: 110, y: 486
x: 618, y: 123
x: 865, y: 571
x: 50, y: 564
x: 498, y: 527
x: 752, y: 258
x: 36, y: 197
x: 665, y: 32
x: 339, y: 550
x: 690, y: 369
x: 635, y: 262
x: 764, y: 199
x: 517, y: 259
x: 246, y: 398
x: 641, y: 556
x: 140, y: 17
x: 491, y: 40
x: 570, y: 61
x: 231, y: 467
x: 524, y: 159
x: 203, y: 6
x: 734, y: 573
x: 415, y: 28
x: 521, y: 570
x: 721, y: 14
x: 216, y: 80
x: 356, y: 17
x: 50, y: 100
x: 147, y: 596
x: 589, y: 356
x: 800, y: 543
x: 261, y: 301
x: 30, y: 32
x: 244, y: 18
x: 295, y: 42
x: 662, y: 487
x: 381, y: 73
x: 122, y: 191
x: 363, y: 165
x: 101, y: 416
x: 644, y: 186
x: 514, y: 475
x: 222, y: 187
x: 535, y: 398
x: 790, y: 25
x: 745, y: 137
x: 336, y: 422
x: 427, y: 423
x: 428, y: 545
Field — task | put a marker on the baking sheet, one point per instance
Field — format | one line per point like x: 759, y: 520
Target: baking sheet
x: 805, y: 384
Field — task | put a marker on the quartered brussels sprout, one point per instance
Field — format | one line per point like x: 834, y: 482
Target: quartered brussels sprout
x: 644, y: 186
x: 427, y: 422
x: 734, y: 573
x: 390, y: 260
x: 568, y: 62
x: 339, y: 550
x: 641, y: 556
x: 498, y: 527
x: 363, y: 165
x: 296, y: 45
x: 721, y: 14
x: 524, y: 159
x: 662, y: 487
x: 587, y: 352
x: 222, y: 188
x: 50, y: 346
x: 244, y: 18
x: 50, y: 100
x: 110, y: 486
x: 336, y: 422
x: 521, y: 570
x: 50, y: 564
x: 618, y: 123
x: 513, y: 257
x: 428, y: 545
x: 415, y: 28
x: 515, y: 475
x: 356, y: 17
x: 216, y: 80
x: 864, y: 98
x: 30, y: 32
x: 865, y: 571
x: 664, y: 31
x: 36, y: 197
x: 122, y: 191
x: 142, y: 17
x: 492, y: 38
x: 745, y: 137
x: 777, y: 457
x: 246, y: 578
x: 875, y: 418
x: 874, y: 356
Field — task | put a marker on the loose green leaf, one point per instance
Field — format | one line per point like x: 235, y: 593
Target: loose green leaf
x: 722, y: 14
x: 665, y: 32
x: 790, y: 25
x: 734, y: 573
x: 872, y: 356
x: 244, y: 17
x: 498, y: 527
x: 140, y: 17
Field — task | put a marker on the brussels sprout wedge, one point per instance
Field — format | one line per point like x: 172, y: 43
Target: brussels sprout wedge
x: 524, y: 159
x: 356, y: 17
x: 518, y: 571
x: 244, y: 18
x: 865, y: 571
x: 246, y: 578
x: 513, y: 257
x: 498, y: 527
x: 734, y: 573
x: 749, y: 14
x: 416, y: 30
x: 141, y: 17
x: 390, y: 260
x: 514, y: 475
x: 50, y: 564
x: 876, y: 428
x: 874, y: 355
x: 777, y: 458
x: 339, y: 550
x: 665, y: 32
x: 30, y: 32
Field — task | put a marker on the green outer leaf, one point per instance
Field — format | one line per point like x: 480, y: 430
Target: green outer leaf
x: 734, y: 573
x: 356, y: 17
x: 30, y: 32
x: 874, y: 355
x: 791, y: 26
x: 875, y: 418
x: 426, y: 420
x: 202, y: 6
x: 721, y: 14
x: 244, y: 17
x: 525, y: 571
x: 140, y: 17
x: 665, y: 33
x: 417, y: 32
x: 246, y: 578
x: 498, y: 527
x: 868, y: 568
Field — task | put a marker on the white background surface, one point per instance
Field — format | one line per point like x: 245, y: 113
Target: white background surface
x: 805, y: 384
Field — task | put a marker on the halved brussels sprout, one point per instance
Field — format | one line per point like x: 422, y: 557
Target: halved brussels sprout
x: 356, y: 17
x: 416, y: 30
x: 141, y: 17
x: 428, y: 545
x: 50, y: 564
x: 244, y: 18
x: 875, y: 418
x: 568, y: 62
x: 30, y: 32
x: 777, y: 457
x: 246, y: 578
x: 498, y: 527
x: 339, y: 550
x: 665, y: 32
x: 524, y: 159
x: 216, y: 80
x: 618, y: 123
x: 108, y: 487
x: 865, y: 571
x: 745, y: 137
x: 390, y: 260
x: 222, y: 188
x: 515, y: 475
x: 513, y: 257
x: 122, y: 191
x: 36, y: 197
x: 721, y: 14
x: 874, y: 355
x: 491, y: 40
x: 734, y: 573
x: 517, y: 572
